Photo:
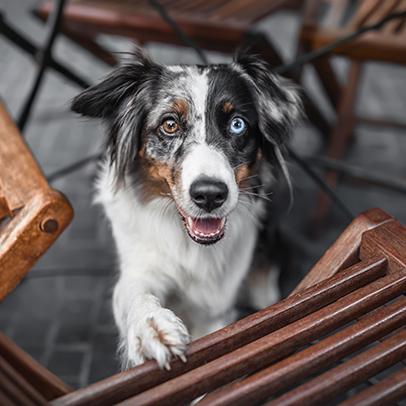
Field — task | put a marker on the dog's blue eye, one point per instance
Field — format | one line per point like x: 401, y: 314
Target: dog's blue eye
x: 237, y: 125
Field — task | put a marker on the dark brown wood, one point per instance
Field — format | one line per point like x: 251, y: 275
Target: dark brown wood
x: 341, y: 134
x: 255, y: 357
x: 390, y: 241
x: 347, y: 375
x: 387, y: 392
x: 14, y: 392
x: 303, y: 364
x: 345, y: 251
x: 5, y: 400
x: 273, y: 347
x: 220, y: 343
x: 22, y: 383
x: 34, y: 373
x: 328, y: 78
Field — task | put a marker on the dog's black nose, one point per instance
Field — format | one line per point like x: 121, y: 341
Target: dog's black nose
x: 208, y: 194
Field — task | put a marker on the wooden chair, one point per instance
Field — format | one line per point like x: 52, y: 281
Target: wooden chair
x: 388, y: 44
x: 312, y: 333
x: 212, y: 24
x: 32, y: 215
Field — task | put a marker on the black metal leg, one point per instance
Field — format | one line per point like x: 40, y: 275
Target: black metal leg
x: 43, y: 57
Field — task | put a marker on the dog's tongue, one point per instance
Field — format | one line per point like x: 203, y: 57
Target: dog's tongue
x: 207, y: 226
x: 205, y: 230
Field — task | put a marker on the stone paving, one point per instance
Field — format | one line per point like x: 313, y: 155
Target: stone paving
x: 60, y: 313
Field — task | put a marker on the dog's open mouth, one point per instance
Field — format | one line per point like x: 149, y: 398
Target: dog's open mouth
x: 204, y: 230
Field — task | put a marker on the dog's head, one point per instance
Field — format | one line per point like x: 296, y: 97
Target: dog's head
x: 194, y: 134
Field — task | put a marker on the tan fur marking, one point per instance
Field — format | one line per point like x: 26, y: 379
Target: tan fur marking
x: 140, y: 348
x: 181, y: 107
x: 227, y: 107
x: 153, y: 179
x: 160, y: 335
x: 243, y: 174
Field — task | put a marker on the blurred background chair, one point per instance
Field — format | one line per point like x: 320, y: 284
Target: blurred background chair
x: 326, y: 21
x: 213, y: 25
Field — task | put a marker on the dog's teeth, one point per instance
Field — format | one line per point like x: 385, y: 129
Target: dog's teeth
x: 223, y: 221
x: 190, y: 222
x: 167, y: 366
x: 183, y: 358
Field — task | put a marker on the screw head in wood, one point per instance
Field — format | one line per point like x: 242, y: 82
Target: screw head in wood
x: 48, y: 225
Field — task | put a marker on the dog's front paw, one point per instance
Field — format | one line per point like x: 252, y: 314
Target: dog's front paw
x: 158, y: 335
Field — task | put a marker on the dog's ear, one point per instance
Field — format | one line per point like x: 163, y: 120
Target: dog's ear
x: 278, y: 99
x: 104, y: 99
x: 279, y: 108
x: 120, y: 101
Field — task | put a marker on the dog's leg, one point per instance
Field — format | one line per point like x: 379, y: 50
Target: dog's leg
x: 147, y: 330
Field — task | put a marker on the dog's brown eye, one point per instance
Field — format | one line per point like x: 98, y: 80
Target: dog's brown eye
x: 170, y: 126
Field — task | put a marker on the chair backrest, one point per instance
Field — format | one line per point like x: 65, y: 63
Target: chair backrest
x: 358, y: 278
x: 32, y: 215
x: 346, y: 16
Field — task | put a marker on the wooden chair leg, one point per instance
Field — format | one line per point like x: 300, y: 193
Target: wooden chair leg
x: 340, y: 136
x: 328, y: 79
x: 90, y: 45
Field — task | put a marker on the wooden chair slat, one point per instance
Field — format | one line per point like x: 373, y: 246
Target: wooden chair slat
x: 393, y: 27
x: 347, y: 375
x: 273, y: 347
x: 307, y: 362
x: 22, y: 383
x: 14, y: 392
x: 257, y: 351
x: 345, y: 251
x: 220, y: 343
x: 386, y: 392
x: 33, y: 372
x: 365, y: 9
x: 385, y: 8
x: 5, y: 400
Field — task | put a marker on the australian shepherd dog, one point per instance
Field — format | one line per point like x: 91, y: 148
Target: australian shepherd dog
x: 191, y: 154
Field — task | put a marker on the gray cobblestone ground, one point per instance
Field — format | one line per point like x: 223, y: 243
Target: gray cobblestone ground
x: 65, y: 322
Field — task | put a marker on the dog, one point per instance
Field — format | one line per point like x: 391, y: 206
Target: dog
x: 190, y: 161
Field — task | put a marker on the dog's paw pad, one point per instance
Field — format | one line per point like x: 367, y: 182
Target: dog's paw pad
x: 158, y: 336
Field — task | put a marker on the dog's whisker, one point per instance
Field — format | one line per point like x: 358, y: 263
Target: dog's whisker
x: 248, y: 177
x: 247, y: 207
x: 256, y: 195
x: 238, y: 166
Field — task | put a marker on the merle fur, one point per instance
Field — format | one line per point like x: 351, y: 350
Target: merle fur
x: 125, y: 96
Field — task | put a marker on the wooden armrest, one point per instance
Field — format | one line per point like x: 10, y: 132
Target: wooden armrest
x: 33, y: 214
x: 345, y: 251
